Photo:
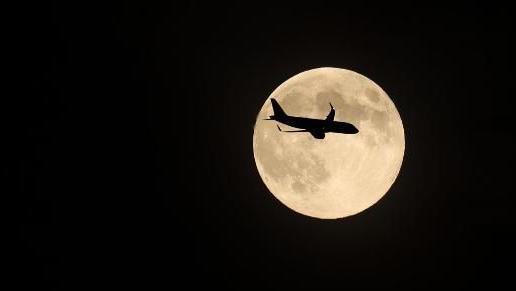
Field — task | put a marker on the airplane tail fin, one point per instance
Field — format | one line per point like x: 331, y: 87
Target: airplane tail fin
x: 278, y: 111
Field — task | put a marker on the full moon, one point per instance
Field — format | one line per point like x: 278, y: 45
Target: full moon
x: 342, y: 174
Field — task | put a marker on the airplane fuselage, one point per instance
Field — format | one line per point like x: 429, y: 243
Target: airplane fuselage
x: 317, y: 125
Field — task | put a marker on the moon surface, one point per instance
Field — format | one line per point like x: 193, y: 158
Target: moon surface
x: 342, y: 174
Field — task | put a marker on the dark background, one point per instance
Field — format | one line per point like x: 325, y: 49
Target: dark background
x: 129, y: 147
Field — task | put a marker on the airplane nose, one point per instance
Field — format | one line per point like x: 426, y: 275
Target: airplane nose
x: 355, y: 129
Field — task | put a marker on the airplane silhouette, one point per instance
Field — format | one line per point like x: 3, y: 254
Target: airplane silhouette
x: 317, y: 127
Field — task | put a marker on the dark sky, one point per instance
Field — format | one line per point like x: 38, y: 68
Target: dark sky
x: 132, y: 145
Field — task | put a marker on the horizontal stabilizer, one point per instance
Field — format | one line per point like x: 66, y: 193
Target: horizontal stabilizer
x: 279, y: 128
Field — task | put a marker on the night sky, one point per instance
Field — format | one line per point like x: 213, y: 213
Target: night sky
x: 129, y: 158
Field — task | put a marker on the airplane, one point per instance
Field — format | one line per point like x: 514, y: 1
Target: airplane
x: 316, y: 127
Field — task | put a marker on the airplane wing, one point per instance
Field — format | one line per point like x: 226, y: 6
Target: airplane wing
x: 331, y: 115
x: 302, y: 130
x: 318, y: 134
